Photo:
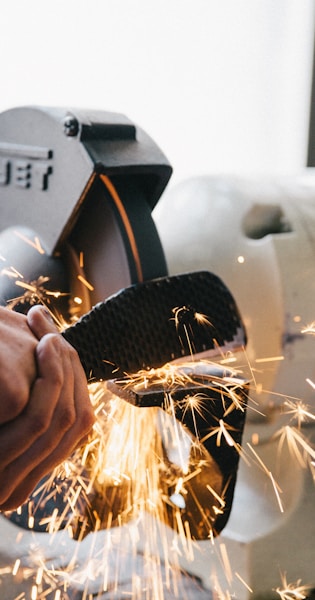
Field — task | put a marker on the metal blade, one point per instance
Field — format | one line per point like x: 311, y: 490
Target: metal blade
x: 149, y: 324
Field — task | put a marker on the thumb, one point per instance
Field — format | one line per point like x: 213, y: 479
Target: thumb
x: 40, y: 321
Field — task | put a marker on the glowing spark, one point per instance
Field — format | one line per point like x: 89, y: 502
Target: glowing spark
x: 122, y: 476
x: 182, y: 318
x: 299, y: 411
x: 276, y: 490
x: 228, y: 360
x: 34, y: 293
x: 243, y: 582
x: 5, y: 570
x: 311, y: 383
x: 222, y: 430
x: 179, y: 485
x: 86, y: 283
x: 122, y: 464
x: 16, y: 566
x: 214, y: 493
x: 180, y: 526
x: 202, y: 319
x: 35, y: 244
x: 226, y: 563
x: 269, y: 474
x: 34, y: 592
x: 255, y: 439
x: 189, y: 544
x: 11, y: 272
x: 269, y: 359
x: 292, y: 591
x: 297, y: 444
x: 30, y: 522
x: 39, y: 576
x: 309, y: 328
x: 26, y: 286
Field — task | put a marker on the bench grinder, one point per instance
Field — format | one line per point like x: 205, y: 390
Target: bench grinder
x: 77, y: 189
x: 82, y: 185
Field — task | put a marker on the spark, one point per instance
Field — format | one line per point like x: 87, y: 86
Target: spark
x: 34, y: 288
x: 310, y: 382
x: 229, y: 359
x: 183, y: 316
x: 299, y: 446
x: 243, y: 582
x: 202, y: 319
x: 269, y: 474
x: 11, y: 272
x: 26, y: 286
x: 214, y: 493
x: 16, y: 566
x: 222, y: 431
x: 86, y: 283
x: 122, y: 474
x: 39, y: 576
x: 35, y: 244
x: 269, y: 359
x: 34, y: 293
x: 309, y: 328
x: 219, y: 593
x: 226, y: 563
x: 255, y: 438
x: 30, y: 522
x: 140, y: 469
x: 130, y: 475
x: 292, y: 591
x: 299, y: 411
x: 34, y: 592
x: 277, y: 491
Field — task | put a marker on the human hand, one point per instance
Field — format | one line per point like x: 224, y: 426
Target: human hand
x: 17, y: 364
x: 54, y: 419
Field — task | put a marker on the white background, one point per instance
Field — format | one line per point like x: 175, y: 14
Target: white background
x: 221, y: 85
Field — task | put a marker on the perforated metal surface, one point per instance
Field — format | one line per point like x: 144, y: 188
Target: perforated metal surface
x: 149, y: 324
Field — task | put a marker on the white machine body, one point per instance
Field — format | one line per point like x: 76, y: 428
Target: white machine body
x: 258, y: 235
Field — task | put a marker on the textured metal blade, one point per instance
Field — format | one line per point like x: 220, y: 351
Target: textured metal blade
x: 149, y: 324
